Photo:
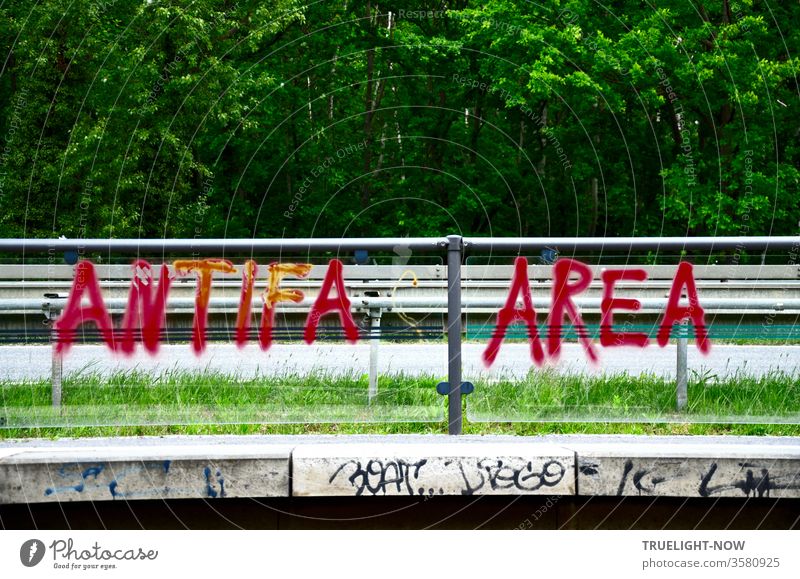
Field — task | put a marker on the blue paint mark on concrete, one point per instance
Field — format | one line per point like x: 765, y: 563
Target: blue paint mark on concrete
x: 221, y: 482
x: 209, y: 488
x: 92, y: 471
x: 63, y: 471
x: 167, y: 464
x: 55, y: 490
x: 112, y: 487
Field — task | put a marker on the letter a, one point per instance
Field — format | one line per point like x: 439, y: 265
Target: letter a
x: 509, y: 313
x: 677, y: 313
x: 75, y: 314
x: 325, y: 304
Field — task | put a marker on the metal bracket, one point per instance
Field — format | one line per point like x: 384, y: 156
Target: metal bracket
x: 52, y: 311
x: 443, y: 388
x: 50, y: 314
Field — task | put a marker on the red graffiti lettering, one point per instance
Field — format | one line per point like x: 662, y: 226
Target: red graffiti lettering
x: 607, y: 336
x: 563, y: 292
x: 675, y: 312
x: 324, y: 305
x: 205, y: 269
x: 145, y: 312
x: 274, y: 294
x: 509, y: 314
x: 249, y: 272
x: 75, y: 314
x: 147, y: 308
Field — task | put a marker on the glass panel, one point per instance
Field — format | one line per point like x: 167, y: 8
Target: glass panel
x: 291, y: 382
x: 750, y: 375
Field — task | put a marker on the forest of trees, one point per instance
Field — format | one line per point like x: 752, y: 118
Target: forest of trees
x: 270, y: 118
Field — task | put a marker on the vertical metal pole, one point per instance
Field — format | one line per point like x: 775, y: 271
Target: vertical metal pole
x: 455, y: 249
x: 56, y: 364
x: 374, y: 342
x: 682, y: 369
x: 55, y: 376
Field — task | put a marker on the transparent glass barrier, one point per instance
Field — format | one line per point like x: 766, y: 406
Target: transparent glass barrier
x: 750, y: 375
x: 389, y: 375
x: 734, y: 383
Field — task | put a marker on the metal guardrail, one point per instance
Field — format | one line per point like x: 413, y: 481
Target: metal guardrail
x: 453, y: 246
x: 649, y: 305
x: 422, y: 244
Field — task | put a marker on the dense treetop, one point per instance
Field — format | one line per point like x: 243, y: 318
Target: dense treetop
x: 275, y: 118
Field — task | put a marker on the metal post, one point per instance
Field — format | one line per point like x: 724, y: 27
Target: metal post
x: 455, y: 249
x: 682, y: 369
x: 56, y: 363
x: 55, y: 376
x: 374, y: 342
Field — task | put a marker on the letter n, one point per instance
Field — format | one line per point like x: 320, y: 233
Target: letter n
x: 675, y: 312
x: 325, y: 304
x: 75, y: 314
x: 509, y: 313
x: 146, y: 310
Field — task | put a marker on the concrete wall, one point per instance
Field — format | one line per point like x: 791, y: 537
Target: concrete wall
x: 406, y: 465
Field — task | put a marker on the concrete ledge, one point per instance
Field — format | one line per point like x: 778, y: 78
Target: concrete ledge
x: 213, y: 468
x: 168, y: 472
x: 716, y: 469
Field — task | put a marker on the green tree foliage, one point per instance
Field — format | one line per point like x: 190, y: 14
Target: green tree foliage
x: 223, y: 118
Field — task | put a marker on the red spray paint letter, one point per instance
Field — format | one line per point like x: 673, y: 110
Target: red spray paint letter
x: 75, y: 314
x: 509, y: 313
x: 205, y: 269
x: 677, y: 313
x: 325, y: 304
x: 243, y: 317
x: 273, y: 295
x: 147, y: 306
x: 562, y: 302
x: 607, y: 336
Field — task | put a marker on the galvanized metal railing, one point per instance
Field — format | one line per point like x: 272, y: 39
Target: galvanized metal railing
x: 454, y: 247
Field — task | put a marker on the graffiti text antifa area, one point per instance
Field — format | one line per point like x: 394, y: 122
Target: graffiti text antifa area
x: 147, y: 303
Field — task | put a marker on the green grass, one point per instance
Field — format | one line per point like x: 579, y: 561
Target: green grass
x: 550, y: 396
x: 179, y: 402
x: 179, y: 397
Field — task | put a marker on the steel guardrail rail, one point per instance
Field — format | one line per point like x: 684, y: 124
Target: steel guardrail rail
x: 648, y: 305
x: 423, y: 244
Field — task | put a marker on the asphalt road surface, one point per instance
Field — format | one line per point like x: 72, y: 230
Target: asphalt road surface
x: 34, y: 362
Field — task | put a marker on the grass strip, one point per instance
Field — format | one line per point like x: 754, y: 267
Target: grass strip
x: 180, y: 402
